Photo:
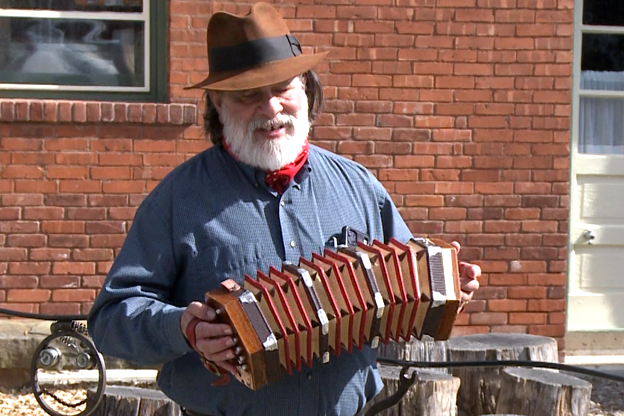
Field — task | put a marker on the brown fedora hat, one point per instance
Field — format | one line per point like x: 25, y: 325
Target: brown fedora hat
x: 252, y: 51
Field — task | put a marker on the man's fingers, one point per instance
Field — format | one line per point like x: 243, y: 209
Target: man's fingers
x: 206, y: 328
x: 217, y: 349
x: 212, y: 330
x: 201, y: 311
x: 456, y: 245
x: 469, y: 285
x: 227, y: 366
x: 469, y: 270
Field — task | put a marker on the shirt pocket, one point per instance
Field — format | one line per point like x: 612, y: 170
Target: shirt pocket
x: 213, y: 264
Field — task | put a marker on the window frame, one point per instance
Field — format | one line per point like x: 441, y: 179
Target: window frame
x: 155, y: 43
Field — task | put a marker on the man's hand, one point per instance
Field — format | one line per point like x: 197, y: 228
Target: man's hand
x: 468, y: 276
x: 213, y: 340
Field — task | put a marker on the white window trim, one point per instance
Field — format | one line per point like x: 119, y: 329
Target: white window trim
x: 144, y: 17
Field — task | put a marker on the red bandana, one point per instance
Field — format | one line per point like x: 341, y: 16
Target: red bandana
x: 279, y: 179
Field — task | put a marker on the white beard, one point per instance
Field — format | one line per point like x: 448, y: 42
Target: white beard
x: 262, y: 153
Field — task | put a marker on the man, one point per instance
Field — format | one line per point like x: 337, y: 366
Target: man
x: 260, y: 196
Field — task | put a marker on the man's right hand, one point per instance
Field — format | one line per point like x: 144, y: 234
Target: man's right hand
x: 214, y: 341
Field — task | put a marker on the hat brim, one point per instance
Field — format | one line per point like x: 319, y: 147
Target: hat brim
x: 261, y: 76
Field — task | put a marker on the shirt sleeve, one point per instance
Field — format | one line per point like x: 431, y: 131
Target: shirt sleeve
x: 391, y: 220
x: 132, y: 317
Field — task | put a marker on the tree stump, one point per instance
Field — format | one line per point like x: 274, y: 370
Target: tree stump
x: 135, y: 401
x: 535, y: 392
x: 416, y: 350
x: 432, y: 394
x: 480, y: 386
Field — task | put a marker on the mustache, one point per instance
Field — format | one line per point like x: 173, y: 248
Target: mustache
x: 280, y: 120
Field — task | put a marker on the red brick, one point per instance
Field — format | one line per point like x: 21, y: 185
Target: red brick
x: 107, y: 200
x: 459, y: 331
x: 548, y: 330
x: 92, y: 254
x: 84, y: 186
x: 27, y: 158
x: 73, y: 268
x: 62, y: 282
x: 64, y: 144
x: 29, y: 268
x: 107, y: 241
x: 9, y: 213
x: 527, y: 292
x: 26, y: 240
x: 49, y: 254
x: 18, y: 281
x: 22, y: 172
x: 35, y: 186
x: 7, y: 111
x: 110, y: 173
x: 70, y: 241
x: 28, y: 295
x: 546, y: 305
x: 105, y: 227
x: 20, y: 227
x: 65, y: 111
x: 489, y: 318
x: 67, y: 172
x: 73, y: 295
x: 13, y: 254
x: 66, y: 200
x: 123, y: 187
x: 79, y: 112
x: 60, y: 309
x: 86, y: 213
x: 76, y: 158
x: 507, y: 305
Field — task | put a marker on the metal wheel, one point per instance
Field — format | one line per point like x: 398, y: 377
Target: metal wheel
x: 65, y: 366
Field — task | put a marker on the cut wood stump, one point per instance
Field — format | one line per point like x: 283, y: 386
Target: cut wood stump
x: 432, y: 394
x: 135, y: 401
x: 535, y: 392
x: 480, y: 386
x: 416, y: 350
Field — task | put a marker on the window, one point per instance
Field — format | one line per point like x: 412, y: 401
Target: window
x: 601, y: 94
x: 83, y: 49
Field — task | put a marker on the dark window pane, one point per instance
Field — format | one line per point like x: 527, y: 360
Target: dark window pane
x: 602, y: 52
x: 603, y: 12
x: 72, y: 52
x: 75, y: 5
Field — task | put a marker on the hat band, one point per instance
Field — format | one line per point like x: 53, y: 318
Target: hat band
x: 252, y: 53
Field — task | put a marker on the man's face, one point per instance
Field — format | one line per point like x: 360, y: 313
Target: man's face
x: 265, y: 127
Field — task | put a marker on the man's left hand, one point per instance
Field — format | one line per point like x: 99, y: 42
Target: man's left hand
x: 469, y: 274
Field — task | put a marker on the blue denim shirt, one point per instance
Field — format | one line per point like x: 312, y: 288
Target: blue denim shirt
x: 212, y: 218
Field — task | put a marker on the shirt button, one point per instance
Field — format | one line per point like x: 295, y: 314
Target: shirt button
x: 309, y: 376
x: 283, y: 203
x: 293, y: 244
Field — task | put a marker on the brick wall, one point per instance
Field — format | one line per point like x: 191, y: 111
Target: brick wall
x: 460, y: 107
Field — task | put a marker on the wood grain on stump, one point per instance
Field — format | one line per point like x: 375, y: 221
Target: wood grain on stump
x: 535, y: 392
x: 416, y: 350
x: 135, y: 401
x: 432, y: 394
x: 480, y: 386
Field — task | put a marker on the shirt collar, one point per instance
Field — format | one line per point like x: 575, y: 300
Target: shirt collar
x: 255, y: 176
